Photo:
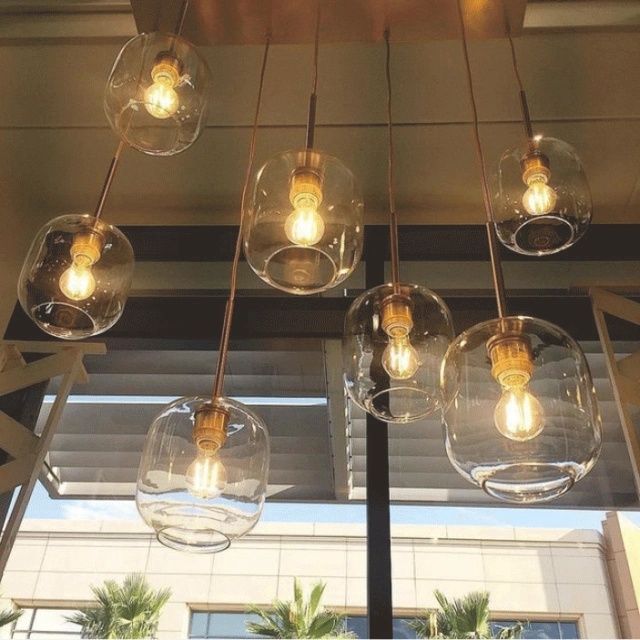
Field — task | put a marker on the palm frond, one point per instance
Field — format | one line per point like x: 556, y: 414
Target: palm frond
x: 7, y: 616
x: 299, y: 618
x: 465, y: 617
x: 130, y: 610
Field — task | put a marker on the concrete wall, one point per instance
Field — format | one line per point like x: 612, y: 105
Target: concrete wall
x: 623, y: 559
x: 530, y: 573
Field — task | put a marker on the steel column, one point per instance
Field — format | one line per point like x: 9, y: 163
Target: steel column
x: 379, y: 588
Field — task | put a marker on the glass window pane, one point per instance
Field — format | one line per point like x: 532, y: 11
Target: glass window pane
x: 53, y: 634
x: 19, y: 634
x: 542, y: 630
x: 198, y: 627
x: 400, y: 629
x: 54, y: 620
x: 23, y: 623
x: 358, y: 625
x: 569, y: 630
x: 230, y: 625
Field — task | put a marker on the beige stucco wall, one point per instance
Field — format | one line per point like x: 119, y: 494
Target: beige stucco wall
x: 530, y: 573
x: 623, y: 559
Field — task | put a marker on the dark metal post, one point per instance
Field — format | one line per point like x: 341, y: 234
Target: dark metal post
x: 379, y: 601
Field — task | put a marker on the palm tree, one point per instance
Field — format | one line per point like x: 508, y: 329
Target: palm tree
x: 128, y: 611
x: 466, y: 617
x: 300, y: 618
x: 7, y: 616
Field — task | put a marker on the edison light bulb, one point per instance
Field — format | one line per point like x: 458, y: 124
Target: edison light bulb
x: 160, y: 98
x: 206, y: 476
x: 518, y: 414
x: 77, y: 282
x: 305, y: 226
x: 399, y: 359
x: 539, y: 198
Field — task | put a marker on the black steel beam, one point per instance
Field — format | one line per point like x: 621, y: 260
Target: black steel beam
x: 379, y: 580
x: 615, y: 242
x: 191, y: 320
x: 379, y: 577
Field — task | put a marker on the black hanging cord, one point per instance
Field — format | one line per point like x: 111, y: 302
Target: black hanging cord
x: 313, y: 98
x: 393, y: 218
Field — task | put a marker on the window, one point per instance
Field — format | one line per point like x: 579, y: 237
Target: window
x: 221, y: 624
x: 45, y: 623
x: 543, y: 628
x: 534, y: 629
x: 359, y: 626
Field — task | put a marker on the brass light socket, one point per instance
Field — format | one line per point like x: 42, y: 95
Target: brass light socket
x: 306, y: 181
x: 511, y: 359
x: 210, y: 428
x: 168, y: 65
x: 88, y: 244
x: 535, y: 163
x: 397, y: 319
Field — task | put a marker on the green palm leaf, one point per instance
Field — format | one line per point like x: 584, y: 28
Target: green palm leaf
x: 299, y: 618
x: 465, y: 617
x: 128, y: 611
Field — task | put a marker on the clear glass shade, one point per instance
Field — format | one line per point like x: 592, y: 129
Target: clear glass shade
x: 303, y: 227
x: 531, y: 436
x: 541, y: 199
x: 156, y: 95
x: 76, y: 277
x: 186, y: 516
x: 396, y: 379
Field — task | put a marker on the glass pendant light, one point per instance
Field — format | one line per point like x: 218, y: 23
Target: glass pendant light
x: 541, y: 198
x: 521, y: 417
x: 396, y: 334
x: 202, y: 479
x: 76, y: 277
x: 156, y: 95
x: 303, y: 227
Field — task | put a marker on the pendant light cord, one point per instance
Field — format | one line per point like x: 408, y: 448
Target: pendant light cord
x: 393, y: 218
x: 524, y: 106
x: 106, y: 187
x: 181, y: 17
x: 313, y: 98
x: 177, y: 33
x: 496, y: 266
x: 228, y: 312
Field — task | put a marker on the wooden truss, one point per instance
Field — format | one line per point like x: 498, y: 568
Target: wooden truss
x: 624, y: 373
x: 26, y: 450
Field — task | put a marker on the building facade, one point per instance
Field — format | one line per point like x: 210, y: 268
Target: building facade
x: 567, y: 583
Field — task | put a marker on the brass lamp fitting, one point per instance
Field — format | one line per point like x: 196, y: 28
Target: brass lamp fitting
x: 88, y: 244
x: 534, y: 164
x: 396, y: 315
x: 210, y: 428
x: 306, y: 182
x: 167, y: 66
x: 511, y: 359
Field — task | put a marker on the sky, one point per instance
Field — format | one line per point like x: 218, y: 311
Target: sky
x: 43, y: 507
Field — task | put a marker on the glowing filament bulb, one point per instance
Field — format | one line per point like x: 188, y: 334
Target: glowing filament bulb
x: 539, y: 198
x: 77, y: 282
x: 305, y: 226
x: 399, y: 359
x: 160, y: 98
x: 206, y: 476
x: 518, y: 414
